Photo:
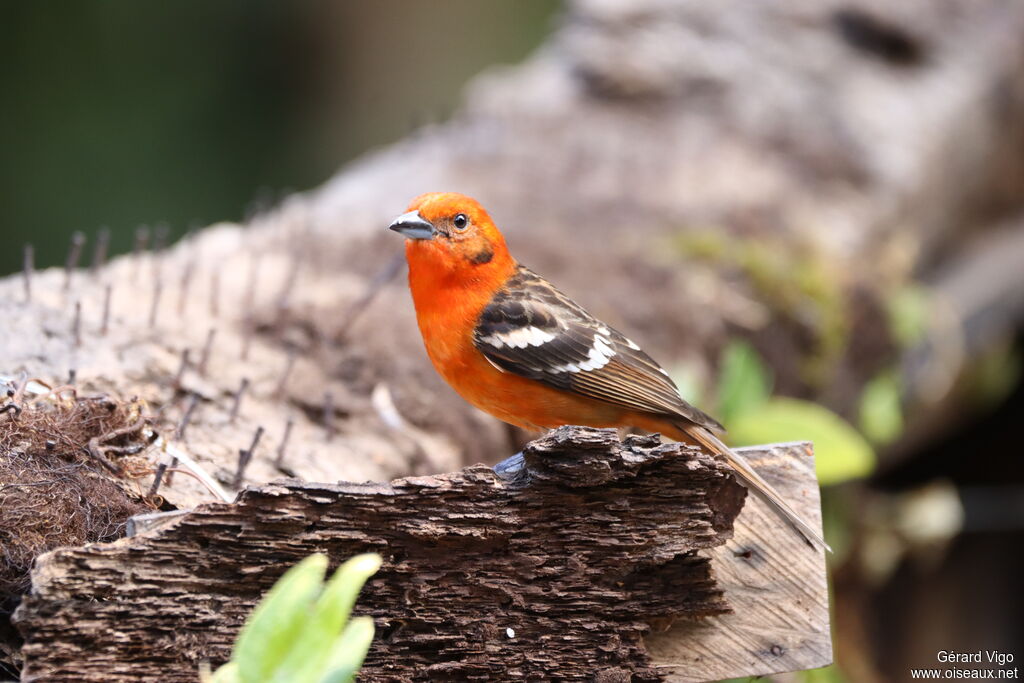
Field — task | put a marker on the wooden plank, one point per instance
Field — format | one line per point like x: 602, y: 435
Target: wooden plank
x: 775, y: 582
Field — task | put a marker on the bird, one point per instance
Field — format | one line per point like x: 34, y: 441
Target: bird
x: 514, y: 346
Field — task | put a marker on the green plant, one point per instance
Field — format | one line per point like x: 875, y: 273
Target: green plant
x: 744, y: 383
x: 881, y: 411
x: 753, y: 416
x: 300, y: 632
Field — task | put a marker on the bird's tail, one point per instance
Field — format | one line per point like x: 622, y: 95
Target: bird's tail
x: 754, y: 482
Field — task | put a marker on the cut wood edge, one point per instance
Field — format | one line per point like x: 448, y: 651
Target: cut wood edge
x: 775, y: 582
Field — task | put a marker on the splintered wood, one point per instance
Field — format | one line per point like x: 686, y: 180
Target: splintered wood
x: 564, y: 568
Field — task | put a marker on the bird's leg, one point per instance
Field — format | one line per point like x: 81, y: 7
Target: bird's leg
x: 514, y: 466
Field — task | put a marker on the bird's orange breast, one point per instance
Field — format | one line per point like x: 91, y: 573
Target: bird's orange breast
x: 447, y: 316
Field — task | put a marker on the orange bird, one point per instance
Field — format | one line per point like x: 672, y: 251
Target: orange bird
x: 516, y: 347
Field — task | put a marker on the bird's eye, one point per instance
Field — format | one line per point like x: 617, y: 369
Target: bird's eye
x: 461, y: 221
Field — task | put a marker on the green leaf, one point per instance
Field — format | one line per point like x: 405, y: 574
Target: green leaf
x: 309, y: 656
x: 275, y: 624
x: 689, y: 383
x: 225, y: 674
x: 744, y: 382
x: 349, y: 651
x: 881, y: 412
x: 841, y: 453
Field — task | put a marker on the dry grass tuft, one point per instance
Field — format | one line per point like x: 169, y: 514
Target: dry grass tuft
x: 64, y: 461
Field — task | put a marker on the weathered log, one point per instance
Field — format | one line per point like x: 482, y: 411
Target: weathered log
x: 560, y: 571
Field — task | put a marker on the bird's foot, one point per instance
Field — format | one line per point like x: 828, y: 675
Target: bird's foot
x: 511, y: 467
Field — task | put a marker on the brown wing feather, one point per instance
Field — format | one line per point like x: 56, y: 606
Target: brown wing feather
x: 532, y: 329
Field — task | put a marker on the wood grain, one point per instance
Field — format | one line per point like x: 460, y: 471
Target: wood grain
x: 776, y: 583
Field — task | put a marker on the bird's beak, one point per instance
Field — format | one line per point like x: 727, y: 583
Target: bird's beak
x: 413, y: 226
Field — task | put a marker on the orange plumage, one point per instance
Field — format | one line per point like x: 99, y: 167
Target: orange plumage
x: 514, y: 346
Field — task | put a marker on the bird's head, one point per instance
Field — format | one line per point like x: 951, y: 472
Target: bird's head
x: 452, y: 232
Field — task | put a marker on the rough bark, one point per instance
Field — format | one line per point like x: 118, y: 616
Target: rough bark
x: 558, y: 571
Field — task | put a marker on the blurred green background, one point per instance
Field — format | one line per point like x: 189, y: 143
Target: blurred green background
x: 122, y: 114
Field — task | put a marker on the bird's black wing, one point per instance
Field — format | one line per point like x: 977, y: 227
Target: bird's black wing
x: 531, y: 329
